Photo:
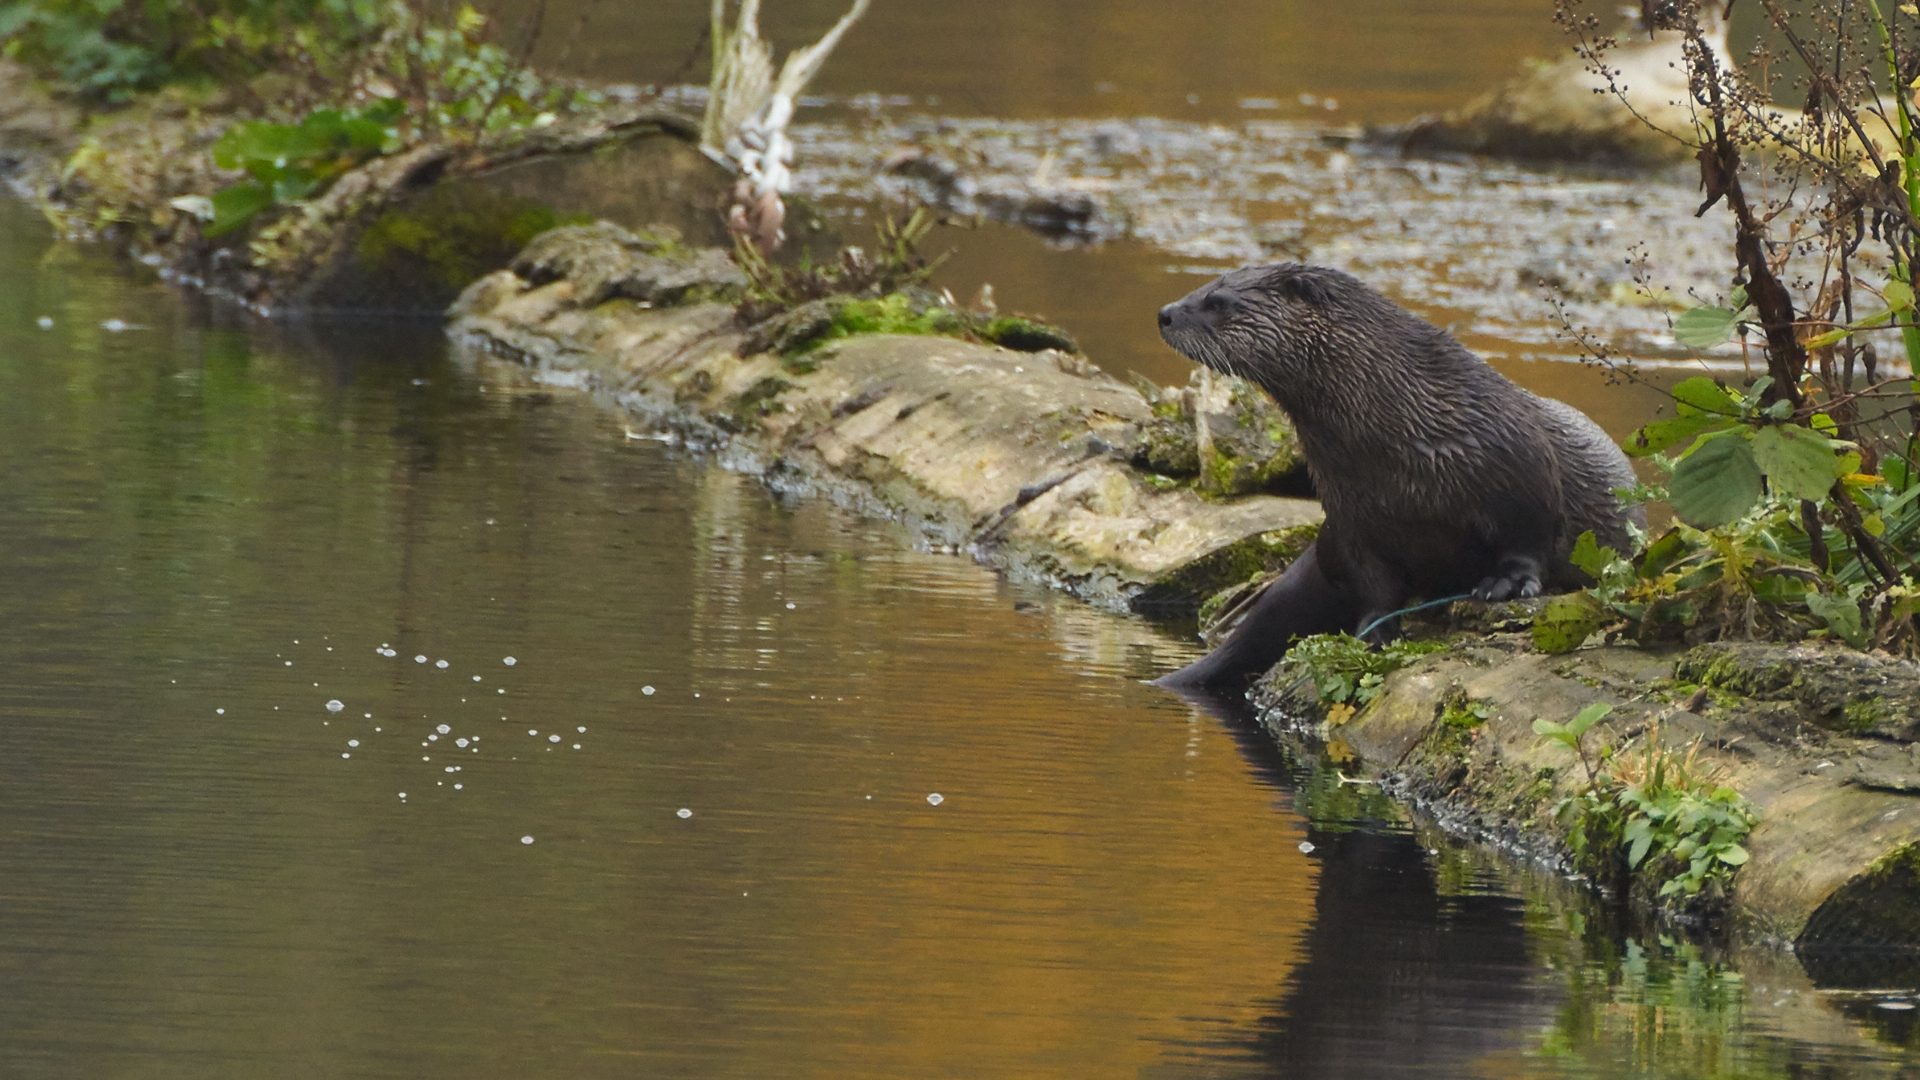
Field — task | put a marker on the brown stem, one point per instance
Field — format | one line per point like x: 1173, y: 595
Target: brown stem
x: 1816, y: 536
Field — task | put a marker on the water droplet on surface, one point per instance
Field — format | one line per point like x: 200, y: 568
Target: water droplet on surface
x: 683, y: 813
x: 431, y: 738
x: 509, y: 661
x: 789, y: 606
x: 403, y: 794
x: 936, y: 799
x: 419, y: 659
x: 553, y: 738
x: 526, y: 839
x: 461, y: 743
x: 648, y: 690
x: 289, y: 663
x: 533, y: 731
x: 457, y: 787
x: 345, y: 754
x: 1306, y: 847
x: 443, y: 729
x: 440, y: 664
x: 219, y: 712
x: 476, y: 678
x: 353, y: 742
x: 581, y: 730
x: 576, y: 746
x: 44, y: 323
x: 335, y: 705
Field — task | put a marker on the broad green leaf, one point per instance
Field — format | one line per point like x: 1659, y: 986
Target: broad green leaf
x: 1738, y: 298
x: 235, y: 206
x: 1797, y: 461
x: 1733, y: 855
x: 1899, y: 295
x: 1661, y: 553
x: 1639, y: 849
x: 1566, y: 621
x: 1589, y: 556
x: 1706, y: 395
x: 1548, y: 727
x: 1715, y: 483
x: 1831, y: 337
x: 1705, y: 327
x: 1588, y: 717
x: 1841, y: 615
x: 1661, y: 434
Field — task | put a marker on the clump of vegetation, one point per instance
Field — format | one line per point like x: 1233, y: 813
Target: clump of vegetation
x: 1797, y: 495
x: 1650, y: 821
x: 287, y: 162
x: 799, y: 309
x: 1347, y: 673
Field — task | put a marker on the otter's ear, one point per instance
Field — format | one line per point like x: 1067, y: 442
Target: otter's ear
x: 1308, y: 288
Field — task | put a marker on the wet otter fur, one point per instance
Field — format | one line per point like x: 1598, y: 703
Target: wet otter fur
x: 1438, y: 475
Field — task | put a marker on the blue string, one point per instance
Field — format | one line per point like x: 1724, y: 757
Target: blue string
x: 1368, y: 629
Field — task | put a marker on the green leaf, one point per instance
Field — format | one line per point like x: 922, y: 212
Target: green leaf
x: 1706, y: 395
x: 1732, y: 855
x: 1566, y: 621
x: 1715, y: 483
x: 1639, y: 849
x: 1899, y: 295
x: 1589, y: 556
x: 1797, y: 461
x: 1738, y: 298
x: 235, y: 206
x: 1588, y: 717
x: 1705, y: 327
x: 1831, y: 337
x: 1548, y: 727
x: 1841, y: 615
x: 1661, y: 434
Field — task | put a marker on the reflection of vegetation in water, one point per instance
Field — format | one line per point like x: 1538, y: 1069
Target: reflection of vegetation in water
x: 1660, y: 1011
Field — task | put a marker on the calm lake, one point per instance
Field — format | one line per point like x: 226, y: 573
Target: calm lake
x: 366, y: 714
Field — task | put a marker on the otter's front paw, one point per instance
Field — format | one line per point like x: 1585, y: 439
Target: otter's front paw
x: 1517, y: 583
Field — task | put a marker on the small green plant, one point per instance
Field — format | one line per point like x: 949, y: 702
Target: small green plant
x: 1347, y: 671
x: 287, y: 162
x: 1650, y: 818
x: 773, y: 288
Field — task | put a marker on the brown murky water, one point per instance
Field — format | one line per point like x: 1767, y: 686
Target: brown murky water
x: 211, y: 530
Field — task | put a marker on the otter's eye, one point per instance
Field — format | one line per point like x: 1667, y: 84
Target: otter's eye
x: 1216, y: 303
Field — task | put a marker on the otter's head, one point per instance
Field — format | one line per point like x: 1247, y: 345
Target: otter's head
x: 1281, y: 326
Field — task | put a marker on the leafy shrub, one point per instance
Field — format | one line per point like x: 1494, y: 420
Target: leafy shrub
x: 288, y: 162
x: 1652, y: 818
x: 1345, y: 670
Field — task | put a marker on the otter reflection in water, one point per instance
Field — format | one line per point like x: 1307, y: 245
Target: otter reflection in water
x: 1439, y: 476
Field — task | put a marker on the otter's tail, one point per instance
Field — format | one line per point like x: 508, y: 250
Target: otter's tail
x: 1301, y: 602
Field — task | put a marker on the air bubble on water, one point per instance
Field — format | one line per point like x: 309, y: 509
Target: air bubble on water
x: 403, y: 794
x: 476, y: 678
x: 289, y: 663
x: 509, y: 661
x: 936, y: 799
x: 461, y: 743
x: 335, y: 705
x: 553, y: 738
x: 451, y: 768
x: 353, y: 742
x: 457, y: 787
x: 526, y: 839
x: 219, y: 712
x: 533, y: 731
x: 1306, y: 847
x: 44, y: 322
x: 344, y: 754
x: 576, y: 746
x: 648, y: 690
x: 581, y: 730
x: 789, y: 607
x: 367, y: 715
x: 420, y: 659
x: 443, y: 729
x: 431, y: 738
x: 503, y: 691
x: 440, y: 664
x: 683, y: 813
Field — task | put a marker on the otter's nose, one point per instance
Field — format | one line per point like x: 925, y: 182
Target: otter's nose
x: 1166, y: 315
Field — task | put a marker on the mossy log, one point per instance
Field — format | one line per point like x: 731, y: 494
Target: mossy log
x: 1819, y: 738
x: 1022, y: 458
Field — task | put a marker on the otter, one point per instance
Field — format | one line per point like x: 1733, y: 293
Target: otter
x: 1439, y: 476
